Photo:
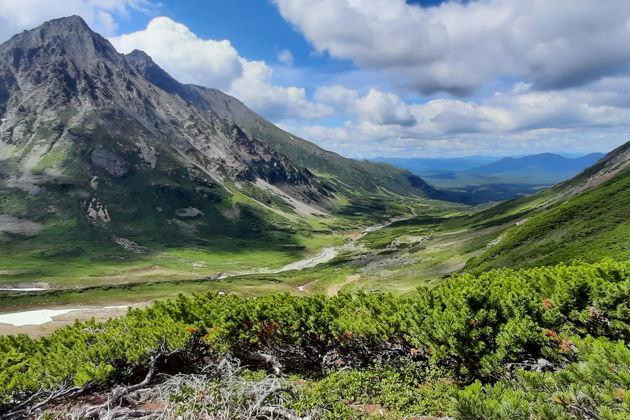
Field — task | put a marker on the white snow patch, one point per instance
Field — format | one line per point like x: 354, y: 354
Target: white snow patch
x: 38, y: 317
x: 22, y: 289
x: 188, y: 212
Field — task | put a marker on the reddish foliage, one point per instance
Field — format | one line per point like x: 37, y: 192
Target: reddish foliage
x: 548, y: 303
x: 551, y: 334
x: 268, y: 328
x: 619, y: 394
x: 566, y: 346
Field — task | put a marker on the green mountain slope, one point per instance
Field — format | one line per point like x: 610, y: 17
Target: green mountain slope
x: 606, y: 168
x: 584, y: 218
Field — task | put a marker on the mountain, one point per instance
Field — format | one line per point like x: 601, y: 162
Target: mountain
x: 584, y: 218
x: 96, y: 144
x: 506, y: 178
x: 548, y: 162
x: 418, y: 165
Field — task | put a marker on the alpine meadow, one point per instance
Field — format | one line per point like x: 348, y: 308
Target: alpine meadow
x: 314, y: 209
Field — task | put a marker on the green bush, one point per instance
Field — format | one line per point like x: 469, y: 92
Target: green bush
x: 469, y: 328
x: 594, y: 387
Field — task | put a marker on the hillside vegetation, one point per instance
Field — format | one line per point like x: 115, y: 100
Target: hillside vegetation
x: 507, y: 344
x: 588, y: 226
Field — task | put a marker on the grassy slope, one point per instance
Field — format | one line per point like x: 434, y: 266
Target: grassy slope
x: 589, y: 226
x: 67, y: 256
x: 516, y: 209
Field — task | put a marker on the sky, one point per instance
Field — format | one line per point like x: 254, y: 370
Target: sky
x: 390, y: 78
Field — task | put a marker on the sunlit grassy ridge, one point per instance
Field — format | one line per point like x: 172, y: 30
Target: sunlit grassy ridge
x: 589, y: 226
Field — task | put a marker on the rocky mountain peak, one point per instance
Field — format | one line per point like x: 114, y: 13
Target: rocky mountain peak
x: 68, y: 38
x: 114, y: 142
x: 140, y: 58
x: 154, y: 73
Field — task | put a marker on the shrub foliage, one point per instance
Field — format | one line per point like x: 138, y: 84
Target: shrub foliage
x: 549, y: 341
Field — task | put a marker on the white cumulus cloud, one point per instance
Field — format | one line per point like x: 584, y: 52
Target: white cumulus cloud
x: 185, y: 56
x: 286, y: 57
x: 459, y: 46
x: 18, y: 15
x: 519, y: 121
x: 217, y: 64
x: 378, y: 107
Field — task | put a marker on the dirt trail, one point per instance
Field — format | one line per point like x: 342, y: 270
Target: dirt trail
x: 333, y: 290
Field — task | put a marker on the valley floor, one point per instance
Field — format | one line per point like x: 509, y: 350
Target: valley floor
x: 397, y: 257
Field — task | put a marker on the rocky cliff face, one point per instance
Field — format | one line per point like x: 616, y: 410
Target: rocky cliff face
x: 86, y: 136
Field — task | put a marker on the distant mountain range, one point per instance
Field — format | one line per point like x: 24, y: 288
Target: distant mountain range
x: 418, y: 165
x: 481, y: 178
x: 547, y: 162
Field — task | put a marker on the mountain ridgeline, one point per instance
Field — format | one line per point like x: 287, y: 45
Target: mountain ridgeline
x: 93, y: 140
x: 541, y: 162
x: 480, y: 179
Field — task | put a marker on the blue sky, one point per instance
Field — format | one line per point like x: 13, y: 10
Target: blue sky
x: 371, y: 78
